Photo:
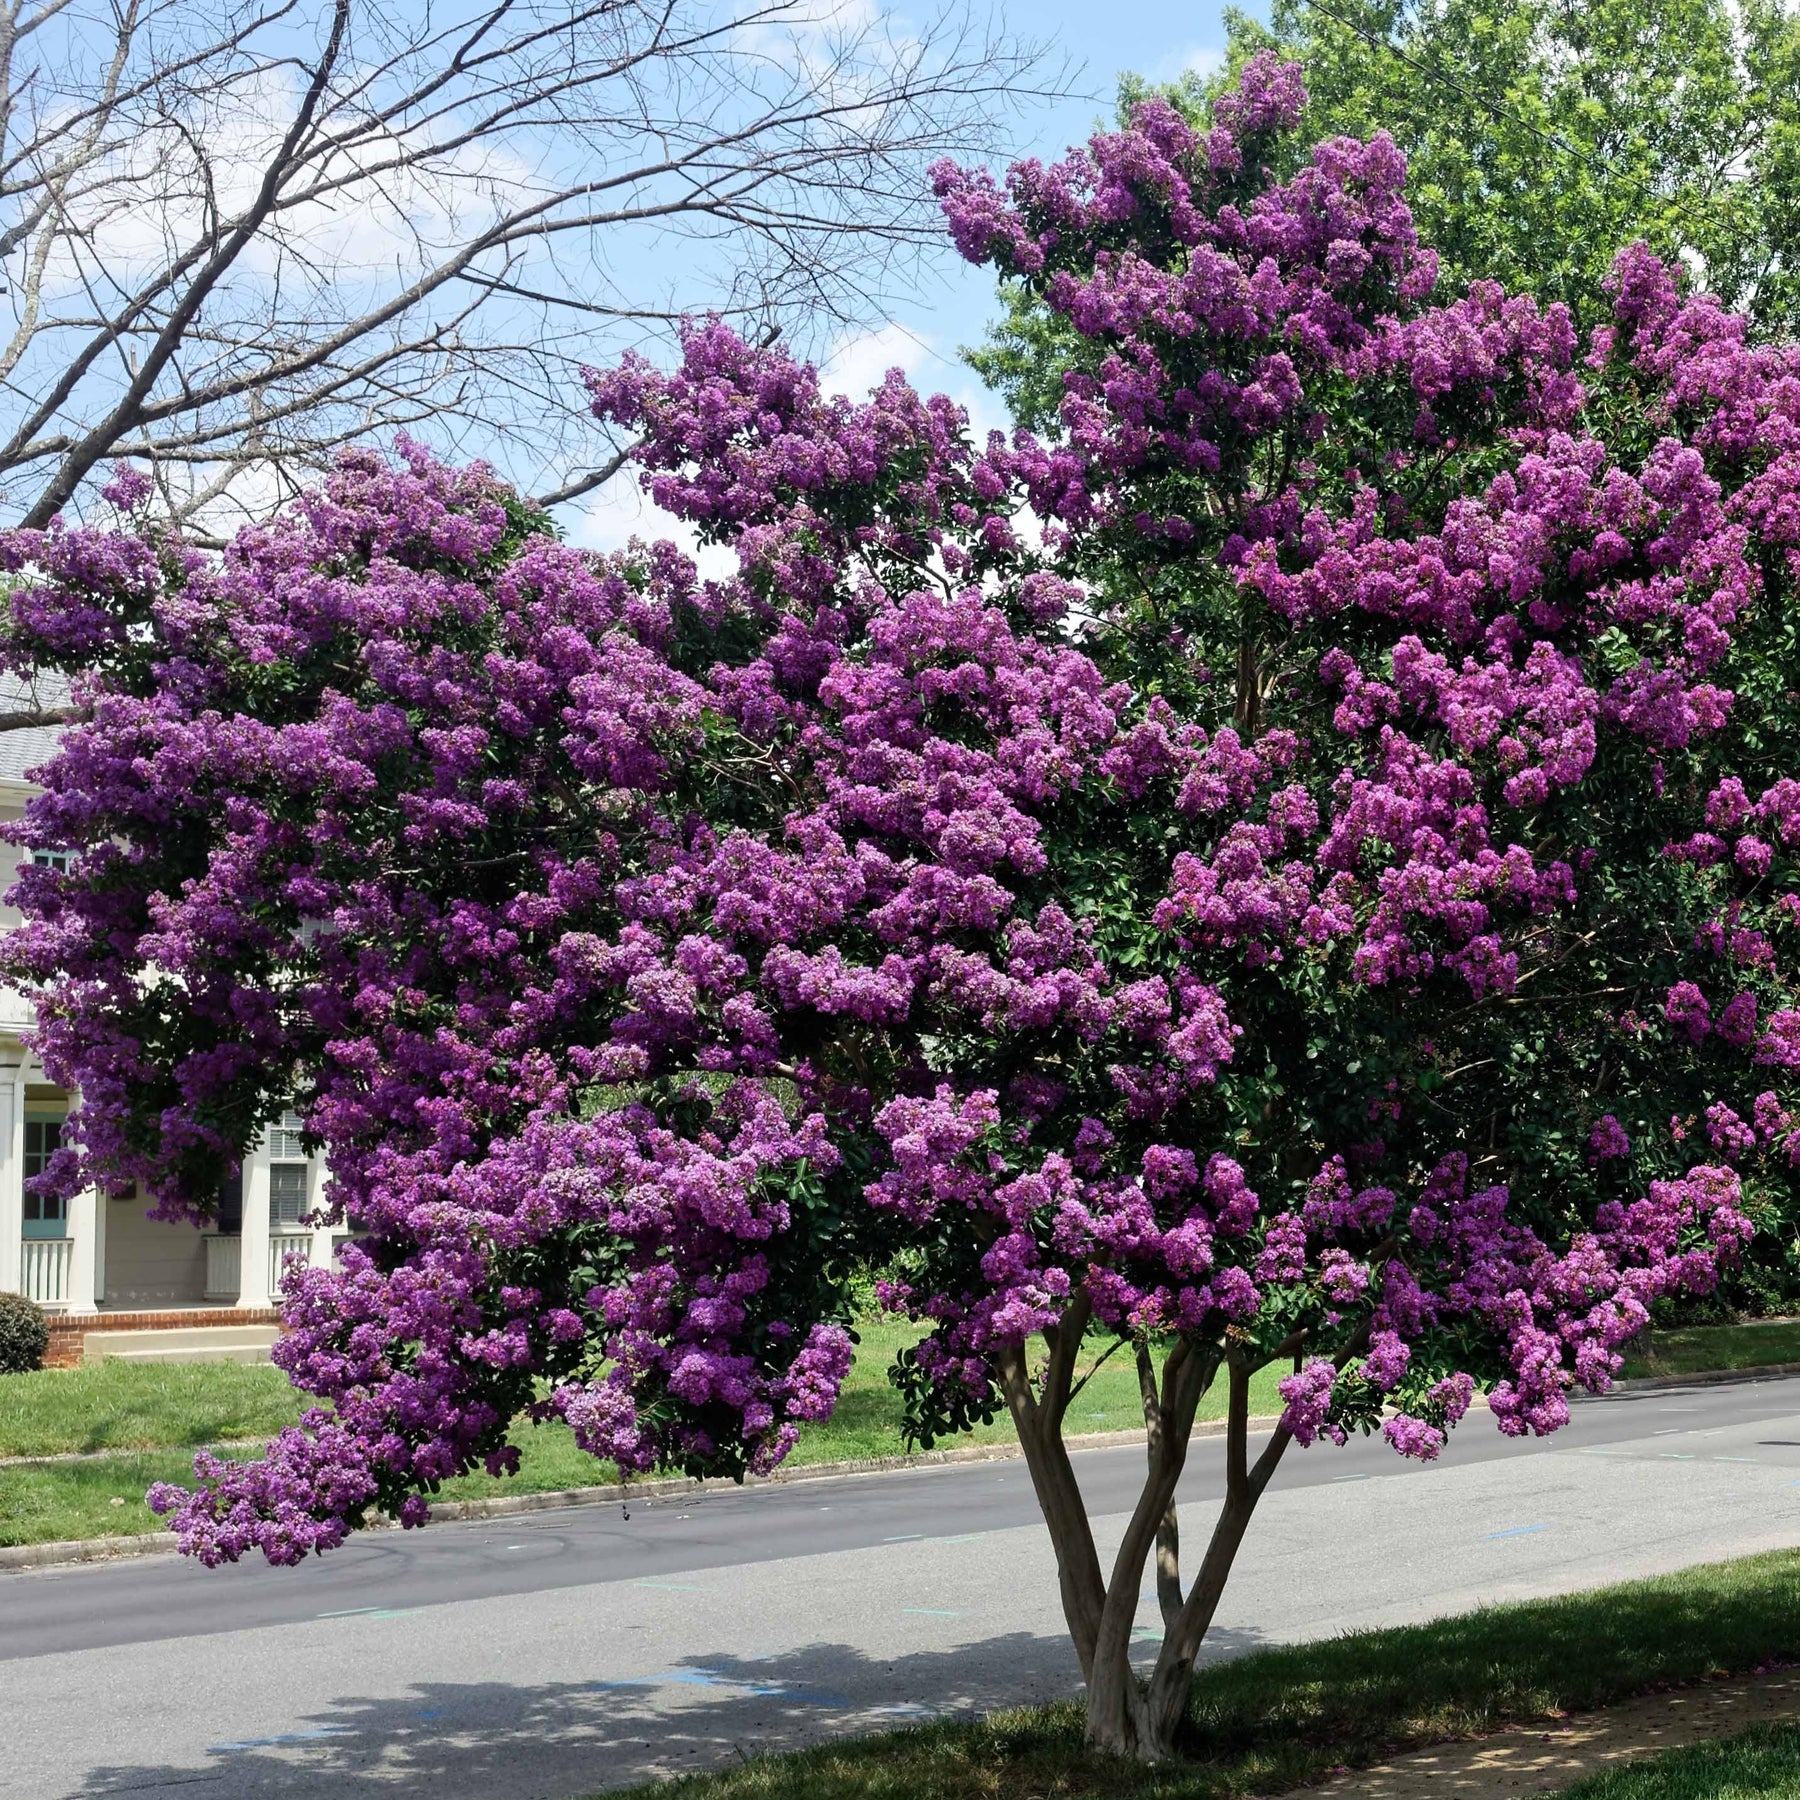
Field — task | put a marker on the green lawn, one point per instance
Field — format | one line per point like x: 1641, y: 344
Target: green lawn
x: 1279, y: 1718
x: 166, y: 1410
x: 141, y: 1406
x: 51, y: 1503
x: 1708, y: 1347
x: 1761, y: 1763
x: 162, y: 1411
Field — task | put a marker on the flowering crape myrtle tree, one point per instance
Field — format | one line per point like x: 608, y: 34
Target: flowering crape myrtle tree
x: 1298, y: 867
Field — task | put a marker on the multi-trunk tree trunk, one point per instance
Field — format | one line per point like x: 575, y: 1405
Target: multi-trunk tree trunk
x: 1128, y: 1713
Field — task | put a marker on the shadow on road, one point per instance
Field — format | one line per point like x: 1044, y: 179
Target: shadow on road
x: 497, y: 1741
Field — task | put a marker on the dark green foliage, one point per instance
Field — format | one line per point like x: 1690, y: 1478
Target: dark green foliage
x: 24, y: 1337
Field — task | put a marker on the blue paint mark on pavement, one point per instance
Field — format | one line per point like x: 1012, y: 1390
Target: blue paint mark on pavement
x: 711, y: 1678
x: 1518, y: 1531
x: 287, y: 1737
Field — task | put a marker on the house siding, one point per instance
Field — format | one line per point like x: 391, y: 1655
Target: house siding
x: 150, y: 1262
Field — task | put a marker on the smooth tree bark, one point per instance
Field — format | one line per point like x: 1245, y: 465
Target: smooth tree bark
x: 1128, y: 1713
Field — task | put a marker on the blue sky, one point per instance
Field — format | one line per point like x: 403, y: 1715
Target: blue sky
x: 922, y: 335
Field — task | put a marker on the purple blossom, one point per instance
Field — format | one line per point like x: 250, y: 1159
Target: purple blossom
x: 1686, y: 1008
x: 1608, y: 1139
x: 1306, y: 1399
x: 646, y: 951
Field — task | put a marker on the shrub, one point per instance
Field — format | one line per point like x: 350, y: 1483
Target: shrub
x: 24, y: 1336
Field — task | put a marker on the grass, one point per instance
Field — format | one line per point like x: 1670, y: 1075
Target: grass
x: 1276, y: 1719
x: 866, y: 1421
x: 1708, y: 1347
x: 1756, y: 1764
x: 52, y: 1503
x: 162, y: 1412
x: 156, y: 1414
x: 141, y: 1406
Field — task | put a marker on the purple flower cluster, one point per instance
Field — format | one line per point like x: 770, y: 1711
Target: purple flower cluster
x: 651, y: 954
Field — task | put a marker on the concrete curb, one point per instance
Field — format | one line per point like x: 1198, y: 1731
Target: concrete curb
x: 82, y: 1550
x: 156, y: 1543
x: 1704, y: 1378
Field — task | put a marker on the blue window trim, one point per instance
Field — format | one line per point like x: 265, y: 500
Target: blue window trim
x: 57, y: 1227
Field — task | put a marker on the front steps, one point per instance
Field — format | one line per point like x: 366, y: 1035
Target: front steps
x: 183, y: 1344
x: 166, y: 1334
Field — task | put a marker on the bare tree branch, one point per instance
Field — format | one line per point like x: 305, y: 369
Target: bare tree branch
x: 585, y: 483
x: 16, y: 720
x: 231, y: 243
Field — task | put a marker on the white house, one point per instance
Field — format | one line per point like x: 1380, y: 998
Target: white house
x: 115, y: 1280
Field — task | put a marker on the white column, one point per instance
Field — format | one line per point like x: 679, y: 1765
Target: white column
x: 12, y: 1175
x: 253, y: 1267
x: 102, y: 1213
x: 87, y: 1249
x: 324, y: 1236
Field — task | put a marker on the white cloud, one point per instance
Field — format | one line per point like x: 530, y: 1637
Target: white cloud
x: 621, y: 511
x: 152, y: 197
x: 845, y: 51
x: 855, y: 365
x: 1202, y: 60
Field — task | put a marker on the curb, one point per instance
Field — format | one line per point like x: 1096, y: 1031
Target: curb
x: 1702, y: 1378
x: 83, y: 1550
x: 156, y: 1543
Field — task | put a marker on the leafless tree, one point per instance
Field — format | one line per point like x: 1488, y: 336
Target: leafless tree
x: 234, y: 237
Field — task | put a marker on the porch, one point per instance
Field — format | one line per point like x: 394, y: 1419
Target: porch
x: 51, y: 1270
x: 115, y: 1280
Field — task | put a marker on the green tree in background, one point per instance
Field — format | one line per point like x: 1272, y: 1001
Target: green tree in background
x: 1541, y: 136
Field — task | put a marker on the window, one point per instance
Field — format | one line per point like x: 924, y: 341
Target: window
x: 60, y: 860
x: 284, y: 1139
x: 287, y: 1192
x: 230, y: 1216
x: 46, y: 1215
x: 288, y: 1171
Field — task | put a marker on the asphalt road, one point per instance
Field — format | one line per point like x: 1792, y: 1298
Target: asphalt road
x: 555, y: 1654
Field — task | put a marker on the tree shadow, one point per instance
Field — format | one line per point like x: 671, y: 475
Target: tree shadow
x: 497, y: 1740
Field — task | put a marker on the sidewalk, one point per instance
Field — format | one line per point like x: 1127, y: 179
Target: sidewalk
x: 1544, y: 1759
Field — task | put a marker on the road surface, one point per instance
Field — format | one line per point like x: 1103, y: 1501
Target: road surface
x: 558, y: 1653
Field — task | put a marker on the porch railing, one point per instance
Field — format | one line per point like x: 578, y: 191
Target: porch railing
x: 284, y: 1245
x: 44, y: 1270
x: 225, y: 1261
